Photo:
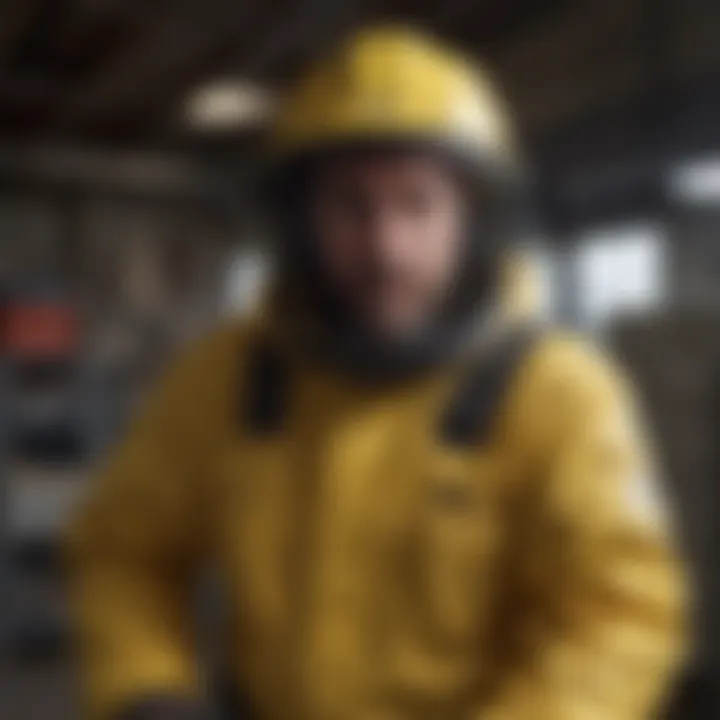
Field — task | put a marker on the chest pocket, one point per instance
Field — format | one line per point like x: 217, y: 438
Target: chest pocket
x: 459, y: 530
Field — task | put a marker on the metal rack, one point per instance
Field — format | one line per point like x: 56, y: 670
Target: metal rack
x: 54, y: 420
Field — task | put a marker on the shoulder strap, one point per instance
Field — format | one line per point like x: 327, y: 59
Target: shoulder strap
x: 468, y: 418
x: 264, y: 391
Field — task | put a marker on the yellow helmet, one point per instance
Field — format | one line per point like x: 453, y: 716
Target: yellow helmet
x: 395, y: 85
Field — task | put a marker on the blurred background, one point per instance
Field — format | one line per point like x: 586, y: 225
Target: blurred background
x: 128, y: 136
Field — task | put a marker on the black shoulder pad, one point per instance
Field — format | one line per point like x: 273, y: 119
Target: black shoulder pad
x: 473, y: 407
x: 264, y: 392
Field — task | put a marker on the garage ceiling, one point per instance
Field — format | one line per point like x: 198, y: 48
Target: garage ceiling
x: 119, y: 70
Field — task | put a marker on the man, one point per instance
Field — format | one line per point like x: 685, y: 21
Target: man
x: 419, y: 505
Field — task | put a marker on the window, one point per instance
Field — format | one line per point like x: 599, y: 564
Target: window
x: 245, y: 280
x: 696, y: 181
x: 619, y: 270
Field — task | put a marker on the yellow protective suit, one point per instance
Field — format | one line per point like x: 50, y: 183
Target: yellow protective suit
x: 374, y: 572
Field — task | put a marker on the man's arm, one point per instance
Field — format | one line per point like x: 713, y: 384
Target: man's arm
x: 601, y: 633
x: 135, y: 548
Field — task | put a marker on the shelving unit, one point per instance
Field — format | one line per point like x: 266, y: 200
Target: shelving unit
x: 48, y: 437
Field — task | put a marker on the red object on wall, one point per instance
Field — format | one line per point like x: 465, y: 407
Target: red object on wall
x: 40, y: 330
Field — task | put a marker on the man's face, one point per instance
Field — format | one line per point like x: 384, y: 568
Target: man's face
x: 390, y: 230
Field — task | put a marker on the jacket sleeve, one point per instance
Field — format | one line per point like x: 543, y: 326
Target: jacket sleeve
x: 134, y: 551
x: 599, y: 635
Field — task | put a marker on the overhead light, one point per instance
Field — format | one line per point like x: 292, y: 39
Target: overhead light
x: 696, y: 181
x: 227, y: 105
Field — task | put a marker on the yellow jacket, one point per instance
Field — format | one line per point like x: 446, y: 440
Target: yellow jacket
x: 376, y: 572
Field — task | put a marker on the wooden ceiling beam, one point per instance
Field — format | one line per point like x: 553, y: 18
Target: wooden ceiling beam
x: 294, y: 31
x: 16, y: 17
x: 170, y: 44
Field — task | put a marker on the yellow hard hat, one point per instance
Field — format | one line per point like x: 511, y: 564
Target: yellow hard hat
x: 396, y: 85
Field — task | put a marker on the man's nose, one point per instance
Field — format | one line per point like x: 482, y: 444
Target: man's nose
x: 392, y: 242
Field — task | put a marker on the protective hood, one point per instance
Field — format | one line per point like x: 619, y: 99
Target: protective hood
x: 292, y: 318
x: 395, y: 85
x: 394, y: 89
